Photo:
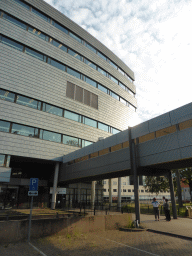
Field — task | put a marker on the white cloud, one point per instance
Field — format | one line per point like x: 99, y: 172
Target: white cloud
x: 152, y: 37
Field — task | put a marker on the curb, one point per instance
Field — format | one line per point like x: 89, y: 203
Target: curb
x: 169, y: 234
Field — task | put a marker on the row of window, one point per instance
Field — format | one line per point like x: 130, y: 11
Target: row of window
x: 125, y: 190
x: 46, y: 59
x: 42, y: 134
x: 71, y: 34
x: 36, y: 104
x: 45, y: 37
x: 4, y: 160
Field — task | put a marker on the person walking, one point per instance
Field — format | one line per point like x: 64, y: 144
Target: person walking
x: 156, y: 204
x: 167, y: 210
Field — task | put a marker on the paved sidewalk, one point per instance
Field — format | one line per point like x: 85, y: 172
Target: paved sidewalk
x: 181, y: 227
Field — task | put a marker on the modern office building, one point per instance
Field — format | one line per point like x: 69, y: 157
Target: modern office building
x: 127, y: 190
x: 61, y: 89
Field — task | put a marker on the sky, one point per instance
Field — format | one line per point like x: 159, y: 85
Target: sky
x: 152, y: 37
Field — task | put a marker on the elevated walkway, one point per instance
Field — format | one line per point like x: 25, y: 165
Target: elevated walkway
x: 161, y: 144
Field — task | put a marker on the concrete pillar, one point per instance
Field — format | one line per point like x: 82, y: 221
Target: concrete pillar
x: 179, y: 189
x: 110, y: 192
x: 172, y: 195
x: 119, y: 194
x: 54, y: 194
x: 93, y: 194
x: 134, y: 172
x: 79, y: 193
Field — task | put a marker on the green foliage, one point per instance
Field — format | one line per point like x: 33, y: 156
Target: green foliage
x: 186, y: 176
x: 157, y: 184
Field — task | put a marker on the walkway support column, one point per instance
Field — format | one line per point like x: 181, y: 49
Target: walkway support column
x: 93, y: 194
x: 119, y: 194
x: 134, y: 172
x: 172, y: 195
x: 179, y: 189
x: 79, y: 194
x: 54, y: 194
x: 110, y: 193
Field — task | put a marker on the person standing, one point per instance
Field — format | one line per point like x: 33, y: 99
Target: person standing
x: 163, y: 206
x: 167, y: 210
x: 156, y: 204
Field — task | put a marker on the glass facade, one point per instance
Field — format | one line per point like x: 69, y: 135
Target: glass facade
x: 2, y: 160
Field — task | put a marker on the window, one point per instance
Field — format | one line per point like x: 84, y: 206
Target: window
x: 114, y: 182
x: 74, y: 54
x: 122, y: 85
x: 114, y: 131
x: 23, y: 4
x: 41, y: 15
x: 2, y: 160
x: 72, y: 116
x: 38, y: 33
x: 103, y: 127
x: 91, y: 82
x: 123, y: 183
x: 90, y: 64
x: 101, y: 55
x: 56, y: 64
x: 8, y: 96
x: 11, y: 43
x: 102, y: 88
x: 60, y: 27
x: 104, y: 190
x: 75, y: 37
x: 73, y: 72
x: 114, y: 190
x: 114, y: 79
x: 90, y: 47
x: 25, y: 101
x: 104, y: 182
x: 71, y: 141
x: 129, y: 190
x: 14, y: 21
x: 86, y: 143
x: 124, y: 190
x: 51, y: 136
x: 121, y: 71
x: 146, y: 191
x: 35, y: 54
x: 102, y: 71
x: 90, y: 122
x: 114, y: 95
x: 53, y: 110
x: 24, y: 130
x: 133, y: 190
x: 123, y: 101
x: 113, y: 64
x: 4, y: 126
x: 142, y: 191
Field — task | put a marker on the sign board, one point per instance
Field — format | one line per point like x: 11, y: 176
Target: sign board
x: 60, y: 191
x: 32, y: 193
x: 33, y: 184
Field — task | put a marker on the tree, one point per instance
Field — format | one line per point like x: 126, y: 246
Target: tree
x: 157, y: 184
x: 186, y: 177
